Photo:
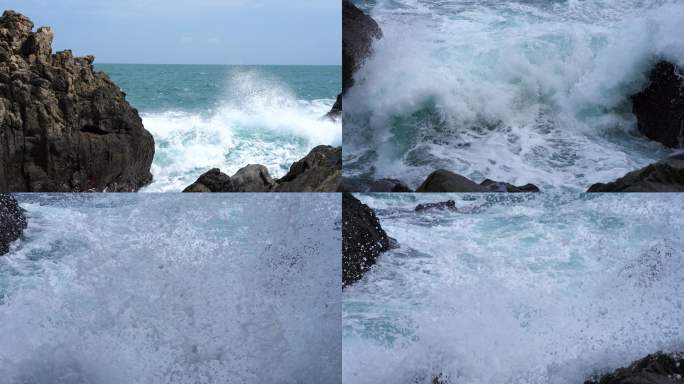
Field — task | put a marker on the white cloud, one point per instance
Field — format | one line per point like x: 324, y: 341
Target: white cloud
x: 186, y: 40
x: 214, y: 41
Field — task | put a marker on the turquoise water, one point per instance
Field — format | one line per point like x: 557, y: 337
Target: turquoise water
x: 538, y: 288
x: 519, y: 91
x: 224, y: 116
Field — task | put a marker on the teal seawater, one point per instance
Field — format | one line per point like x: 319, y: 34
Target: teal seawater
x: 228, y: 116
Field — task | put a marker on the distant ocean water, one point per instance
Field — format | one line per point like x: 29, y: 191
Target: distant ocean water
x: 228, y: 116
x: 536, y: 288
x: 523, y: 91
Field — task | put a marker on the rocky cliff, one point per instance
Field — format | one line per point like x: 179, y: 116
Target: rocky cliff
x: 12, y: 221
x: 64, y: 127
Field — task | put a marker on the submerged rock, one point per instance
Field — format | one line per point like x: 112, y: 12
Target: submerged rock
x: 500, y: 186
x: 358, y: 32
x: 442, y: 206
x: 660, y: 107
x: 658, y: 368
x: 442, y: 180
x: 363, y: 239
x: 388, y: 185
x: 664, y: 176
x: 64, y: 127
x: 12, y: 221
x: 319, y: 171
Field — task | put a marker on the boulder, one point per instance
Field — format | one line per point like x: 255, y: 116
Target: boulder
x: 660, y: 107
x: 442, y: 206
x: 500, y: 186
x: 657, y: 368
x: 319, y: 171
x: 664, y: 176
x: 12, y: 221
x: 252, y: 178
x: 445, y: 181
x: 358, y: 32
x: 388, y: 185
x: 64, y: 127
x: 363, y: 239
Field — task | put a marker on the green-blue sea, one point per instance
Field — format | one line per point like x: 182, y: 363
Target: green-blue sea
x: 228, y: 116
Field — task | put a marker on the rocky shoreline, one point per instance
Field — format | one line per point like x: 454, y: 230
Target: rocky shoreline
x: 12, y: 221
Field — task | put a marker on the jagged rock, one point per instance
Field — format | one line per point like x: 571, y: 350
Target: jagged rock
x: 445, y: 181
x: 442, y: 206
x: 358, y: 32
x: 363, y: 239
x: 388, y: 185
x: 500, y: 186
x: 319, y: 171
x: 660, y: 107
x: 336, y: 109
x: 252, y: 178
x: 64, y: 127
x: 12, y: 221
x: 657, y: 368
x: 664, y: 176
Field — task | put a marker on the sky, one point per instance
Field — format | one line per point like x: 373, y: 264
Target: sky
x: 244, y: 32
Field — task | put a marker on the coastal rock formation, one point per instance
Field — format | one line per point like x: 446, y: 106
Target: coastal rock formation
x: 442, y: 180
x: 319, y: 171
x: 336, y: 109
x: 12, y: 221
x: 363, y: 239
x: 664, y: 176
x: 500, y: 186
x: 658, y: 368
x: 660, y: 107
x: 442, y: 206
x: 388, y: 185
x: 64, y: 127
x: 358, y: 32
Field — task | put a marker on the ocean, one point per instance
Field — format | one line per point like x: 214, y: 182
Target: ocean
x: 229, y: 116
x: 526, y: 91
x: 535, y: 288
x: 171, y: 288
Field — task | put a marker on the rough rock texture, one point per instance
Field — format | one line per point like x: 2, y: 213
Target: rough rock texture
x: 363, y: 239
x: 388, y: 185
x: 64, y: 127
x: 252, y: 178
x: 653, y: 369
x: 319, y: 171
x: 12, y: 221
x: 444, y: 181
x: 660, y: 107
x: 358, y: 32
x: 664, y: 176
x: 442, y: 206
x: 500, y: 186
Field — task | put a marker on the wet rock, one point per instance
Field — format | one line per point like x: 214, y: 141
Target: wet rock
x: 252, y: 178
x: 363, y: 239
x: 64, y: 127
x: 319, y: 171
x: 12, y: 221
x: 336, y: 110
x: 500, y: 186
x: 442, y: 206
x: 657, y: 368
x: 660, y: 107
x: 358, y: 32
x: 442, y: 180
x: 664, y: 176
x: 388, y: 185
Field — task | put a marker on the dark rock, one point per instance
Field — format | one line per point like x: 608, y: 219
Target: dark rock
x: 336, y: 109
x: 213, y: 180
x: 64, y: 127
x: 500, y: 186
x: 12, y: 221
x: 444, y: 181
x: 658, y: 368
x: 442, y: 206
x: 319, y: 171
x: 196, y: 187
x: 252, y: 178
x: 356, y: 184
x: 363, y: 239
x: 660, y: 107
x: 358, y: 32
x: 388, y: 185
x: 664, y: 176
